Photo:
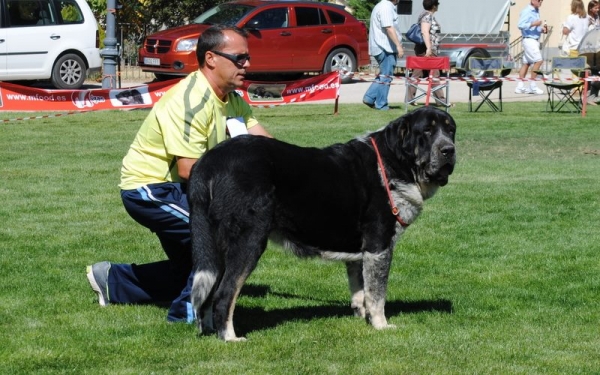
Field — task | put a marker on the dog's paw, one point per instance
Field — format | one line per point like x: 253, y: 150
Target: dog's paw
x: 208, y: 329
x: 387, y: 326
x: 359, y: 311
x: 380, y: 323
x: 236, y: 339
x: 230, y: 336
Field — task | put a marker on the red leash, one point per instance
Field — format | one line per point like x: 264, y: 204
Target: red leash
x: 395, y: 211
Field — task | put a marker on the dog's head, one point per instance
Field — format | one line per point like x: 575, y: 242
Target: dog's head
x: 128, y: 97
x: 425, y: 138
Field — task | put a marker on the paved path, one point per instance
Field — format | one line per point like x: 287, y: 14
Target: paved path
x: 459, y: 92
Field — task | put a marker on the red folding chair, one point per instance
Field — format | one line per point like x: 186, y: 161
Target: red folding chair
x: 425, y: 86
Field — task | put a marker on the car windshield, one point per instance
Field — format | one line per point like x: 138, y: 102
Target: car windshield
x: 224, y: 14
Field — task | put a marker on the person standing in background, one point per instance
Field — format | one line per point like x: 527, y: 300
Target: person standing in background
x: 575, y: 28
x: 532, y: 27
x: 431, y: 29
x: 385, y: 46
x: 593, y: 9
x: 593, y: 18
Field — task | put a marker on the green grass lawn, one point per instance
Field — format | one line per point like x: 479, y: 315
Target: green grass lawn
x: 499, y: 275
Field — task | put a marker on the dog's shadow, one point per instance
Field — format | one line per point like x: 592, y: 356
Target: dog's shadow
x: 256, y: 319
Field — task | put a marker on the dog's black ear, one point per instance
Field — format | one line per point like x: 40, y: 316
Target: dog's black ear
x: 399, y: 135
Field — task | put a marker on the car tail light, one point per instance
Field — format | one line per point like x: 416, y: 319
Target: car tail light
x: 363, y: 26
x: 97, y: 38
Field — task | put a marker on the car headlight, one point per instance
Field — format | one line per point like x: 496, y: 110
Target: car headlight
x: 186, y: 45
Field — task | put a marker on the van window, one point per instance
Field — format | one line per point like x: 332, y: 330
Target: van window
x: 24, y: 13
x: 69, y: 11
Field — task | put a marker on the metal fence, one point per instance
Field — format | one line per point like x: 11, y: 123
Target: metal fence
x: 129, y: 39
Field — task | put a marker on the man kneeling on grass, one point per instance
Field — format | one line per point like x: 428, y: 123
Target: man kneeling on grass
x: 190, y: 119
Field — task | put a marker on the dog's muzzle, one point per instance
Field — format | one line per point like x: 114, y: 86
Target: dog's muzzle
x: 441, y: 165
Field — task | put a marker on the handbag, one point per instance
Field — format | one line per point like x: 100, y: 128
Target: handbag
x: 414, y: 34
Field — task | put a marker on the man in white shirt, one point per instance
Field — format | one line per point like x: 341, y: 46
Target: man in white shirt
x: 385, y: 46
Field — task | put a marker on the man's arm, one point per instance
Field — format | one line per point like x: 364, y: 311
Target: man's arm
x: 258, y: 129
x: 184, y: 165
x: 425, y: 30
x: 391, y: 33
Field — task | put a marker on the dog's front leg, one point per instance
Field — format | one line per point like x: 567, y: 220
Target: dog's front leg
x: 357, y: 287
x: 376, y: 268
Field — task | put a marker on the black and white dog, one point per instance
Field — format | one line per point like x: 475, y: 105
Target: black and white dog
x: 347, y: 202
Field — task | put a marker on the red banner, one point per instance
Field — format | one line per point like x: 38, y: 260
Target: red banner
x: 321, y: 87
x: 22, y: 98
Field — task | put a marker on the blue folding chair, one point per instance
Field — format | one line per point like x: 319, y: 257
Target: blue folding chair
x: 486, y: 74
x: 566, y: 87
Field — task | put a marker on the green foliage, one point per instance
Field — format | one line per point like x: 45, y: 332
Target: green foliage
x: 499, y: 275
x: 147, y: 16
x: 361, y: 9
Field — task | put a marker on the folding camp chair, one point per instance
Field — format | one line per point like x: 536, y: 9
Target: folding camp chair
x: 565, y: 90
x: 432, y: 84
x: 485, y: 79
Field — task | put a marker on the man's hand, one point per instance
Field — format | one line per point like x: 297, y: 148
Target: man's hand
x: 184, y: 167
x: 400, y: 51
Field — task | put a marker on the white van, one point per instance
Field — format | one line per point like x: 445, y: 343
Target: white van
x: 54, y: 40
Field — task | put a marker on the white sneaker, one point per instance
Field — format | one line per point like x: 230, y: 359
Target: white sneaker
x: 522, y: 90
x: 535, y: 90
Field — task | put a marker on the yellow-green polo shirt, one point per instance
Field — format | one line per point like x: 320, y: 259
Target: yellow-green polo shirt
x: 186, y: 122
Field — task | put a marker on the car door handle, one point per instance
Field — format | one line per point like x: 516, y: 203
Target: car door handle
x: 55, y: 37
x: 326, y: 31
x: 2, y: 40
x: 285, y: 33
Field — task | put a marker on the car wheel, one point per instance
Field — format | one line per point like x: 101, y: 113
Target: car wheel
x: 478, y: 52
x: 69, y: 72
x: 341, y: 59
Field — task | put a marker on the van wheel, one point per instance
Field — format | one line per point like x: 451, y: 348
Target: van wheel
x: 341, y: 59
x: 69, y: 72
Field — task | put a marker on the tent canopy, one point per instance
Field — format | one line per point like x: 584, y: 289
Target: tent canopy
x: 463, y: 16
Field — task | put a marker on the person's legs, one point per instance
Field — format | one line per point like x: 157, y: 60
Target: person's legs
x: 416, y: 74
x: 377, y: 93
x: 532, y: 57
x: 523, y: 70
x: 162, y: 208
x: 533, y: 89
x: 439, y: 93
x: 521, y: 89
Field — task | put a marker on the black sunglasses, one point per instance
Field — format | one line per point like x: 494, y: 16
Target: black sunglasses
x: 239, y: 59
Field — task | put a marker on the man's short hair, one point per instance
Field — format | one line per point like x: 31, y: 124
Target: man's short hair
x: 213, y: 39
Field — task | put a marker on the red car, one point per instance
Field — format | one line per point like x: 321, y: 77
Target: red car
x: 289, y: 37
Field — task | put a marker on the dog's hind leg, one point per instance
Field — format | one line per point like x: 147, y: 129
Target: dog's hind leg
x: 202, y: 286
x: 243, y: 254
x: 207, y: 266
x: 357, y: 287
x: 376, y: 268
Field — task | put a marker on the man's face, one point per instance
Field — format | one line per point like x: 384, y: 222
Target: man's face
x: 536, y: 3
x: 232, y: 60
